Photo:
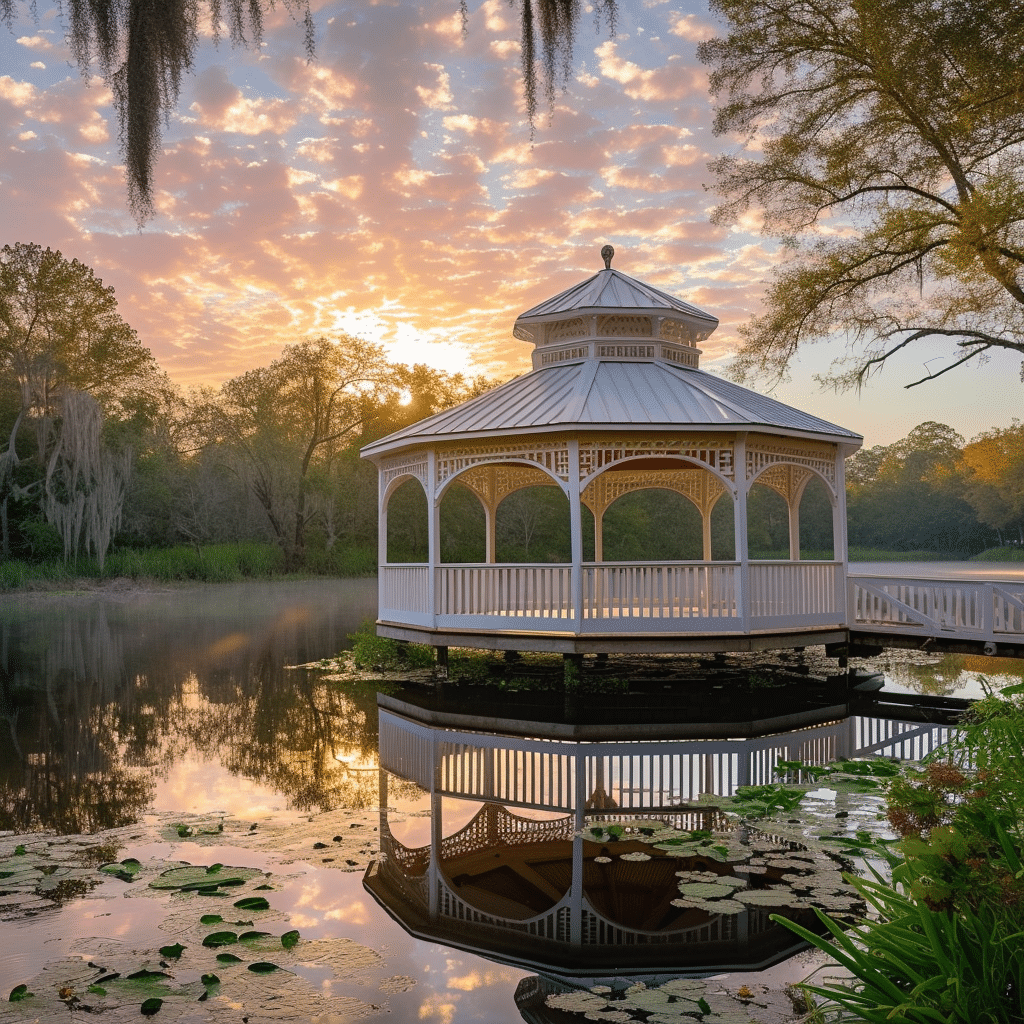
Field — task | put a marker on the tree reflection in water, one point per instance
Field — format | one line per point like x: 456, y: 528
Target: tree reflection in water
x: 101, y: 698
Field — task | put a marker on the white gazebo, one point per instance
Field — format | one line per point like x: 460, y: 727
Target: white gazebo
x: 616, y: 403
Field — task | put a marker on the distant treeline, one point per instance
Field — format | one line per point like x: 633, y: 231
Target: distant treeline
x: 101, y: 456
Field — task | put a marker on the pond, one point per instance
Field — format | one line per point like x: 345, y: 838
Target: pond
x: 175, y: 726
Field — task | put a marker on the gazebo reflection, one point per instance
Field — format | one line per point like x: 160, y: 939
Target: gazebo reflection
x: 538, y: 877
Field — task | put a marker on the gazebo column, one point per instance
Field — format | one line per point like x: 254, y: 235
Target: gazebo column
x: 705, y: 518
x: 794, y: 524
x: 840, y: 550
x: 575, y: 532
x: 433, y: 535
x: 490, y: 534
x: 598, y: 535
x: 740, y: 531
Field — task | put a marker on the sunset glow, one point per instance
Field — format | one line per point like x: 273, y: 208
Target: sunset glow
x: 392, y: 190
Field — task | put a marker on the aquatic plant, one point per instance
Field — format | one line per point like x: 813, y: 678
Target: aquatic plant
x: 943, y: 944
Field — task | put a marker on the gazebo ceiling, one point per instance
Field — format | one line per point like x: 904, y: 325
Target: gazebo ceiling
x: 605, y: 394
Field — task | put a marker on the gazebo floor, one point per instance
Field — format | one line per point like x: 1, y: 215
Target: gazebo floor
x: 558, y: 642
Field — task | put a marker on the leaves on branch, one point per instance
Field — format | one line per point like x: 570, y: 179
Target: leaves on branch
x: 890, y: 164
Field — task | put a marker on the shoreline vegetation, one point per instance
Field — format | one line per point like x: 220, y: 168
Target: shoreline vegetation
x: 237, y: 562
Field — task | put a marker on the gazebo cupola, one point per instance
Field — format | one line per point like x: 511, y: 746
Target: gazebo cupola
x: 612, y: 316
x: 616, y: 403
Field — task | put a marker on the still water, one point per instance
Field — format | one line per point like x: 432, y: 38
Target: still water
x: 176, y: 726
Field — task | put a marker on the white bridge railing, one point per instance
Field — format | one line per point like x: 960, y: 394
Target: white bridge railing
x: 965, y: 609
x: 695, y: 597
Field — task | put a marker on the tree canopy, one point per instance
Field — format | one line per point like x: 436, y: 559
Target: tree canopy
x: 884, y: 146
x: 142, y: 50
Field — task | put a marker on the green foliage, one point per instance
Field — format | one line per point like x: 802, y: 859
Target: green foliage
x: 856, y: 123
x: 944, y: 941
x: 372, y: 651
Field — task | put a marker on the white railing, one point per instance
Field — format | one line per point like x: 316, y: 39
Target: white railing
x: 636, y: 775
x: 783, y: 593
x: 505, y: 591
x: 674, y: 597
x: 403, y: 593
x: 962, y: 608
x: 681, y: 591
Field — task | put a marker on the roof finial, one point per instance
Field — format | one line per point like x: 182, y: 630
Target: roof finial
x: 607, y: 252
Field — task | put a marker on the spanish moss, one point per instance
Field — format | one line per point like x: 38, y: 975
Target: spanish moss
x: 143, y: 47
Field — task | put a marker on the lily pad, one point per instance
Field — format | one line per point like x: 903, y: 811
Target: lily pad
x: 151, y: 1006
x: 263, y: 967
x: 125, y: 870
x: 215, y: 939
x: 211, y: 919
x: 196, y: 877
x: 252, y: 903
x: 229, y: 958
x: 18, y: 993
x: 290, y: 939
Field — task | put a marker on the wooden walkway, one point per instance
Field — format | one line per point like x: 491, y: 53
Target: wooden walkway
x: 940, y: 606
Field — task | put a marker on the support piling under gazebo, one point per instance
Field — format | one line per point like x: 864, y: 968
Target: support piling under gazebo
x: 616, y: 403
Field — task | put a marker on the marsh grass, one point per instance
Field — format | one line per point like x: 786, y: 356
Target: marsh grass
x: 212, y: 563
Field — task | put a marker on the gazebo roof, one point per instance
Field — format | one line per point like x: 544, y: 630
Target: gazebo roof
x: 613, y: 353
x: 611, y: 290
x: 605, y: 394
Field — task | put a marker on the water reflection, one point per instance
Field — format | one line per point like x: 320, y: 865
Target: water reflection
x: 103, y: 699
x: 578, y: 859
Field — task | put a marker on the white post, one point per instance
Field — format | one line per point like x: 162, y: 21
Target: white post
x: 739, y: 461
x: 794, y: 524
x: 840, y: 551
x: 382, y: 536
x: 433, y: 535
x: 576, y: 533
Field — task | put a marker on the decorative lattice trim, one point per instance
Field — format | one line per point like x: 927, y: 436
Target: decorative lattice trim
x: 700, y: 486
x: 820, y: 458
x: 552, y: 456
x: 493, y: 483
x: 574, y: 328
x: 403, y: 465
x: 626, y: 351
x: 786, y: 479
x: 562, y: 355
x: 714, y: 453
x: 682, y: 356
x: 616, y: 325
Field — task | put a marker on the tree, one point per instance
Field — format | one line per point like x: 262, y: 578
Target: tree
x: 143, y: 49
x: 911, y: 495
x: 891, y: 167
x: 994, y: 467
x: 288, y: 423
x: 60, y: 335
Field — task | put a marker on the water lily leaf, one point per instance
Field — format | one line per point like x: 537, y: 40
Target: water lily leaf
x: 151, y: 1006
x: 125, y: 870
x: 249, y: 936
x: 97, y: 990
x: 147, y: 975
x: 220, y: 939
x: 214, y: 868
x: 290, y: 939
x: 174, y: 951
x: 263, y: 967
x: 229, y: 958
x: 211, y: 919
x: 210, y: 979
x: 18, y: 993
x: 252, y: 903
x: 197, y: 877
x: 19, y: 850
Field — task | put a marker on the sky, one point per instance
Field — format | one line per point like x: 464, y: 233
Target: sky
x: 392, y: 190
